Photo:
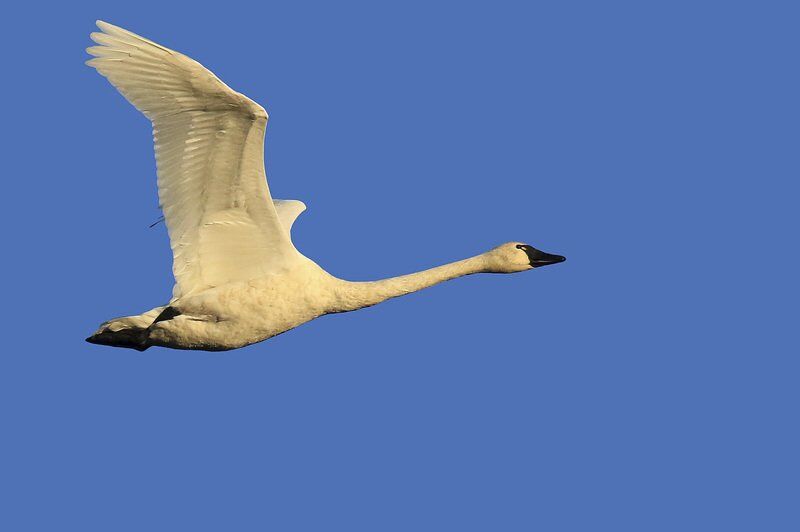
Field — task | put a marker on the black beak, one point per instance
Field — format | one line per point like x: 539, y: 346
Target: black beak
x: 540, y: 258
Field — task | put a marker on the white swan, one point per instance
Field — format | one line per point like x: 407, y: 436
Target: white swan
x: 239, y: 279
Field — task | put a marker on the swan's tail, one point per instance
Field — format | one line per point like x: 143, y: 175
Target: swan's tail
x: 131, y: 331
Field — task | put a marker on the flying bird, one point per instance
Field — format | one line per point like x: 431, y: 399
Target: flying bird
x: 238, y: 277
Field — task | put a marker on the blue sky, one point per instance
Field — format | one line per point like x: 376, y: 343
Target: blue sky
x: 648, y: 383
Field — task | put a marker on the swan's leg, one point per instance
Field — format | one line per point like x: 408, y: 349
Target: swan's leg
x: 129, y: 331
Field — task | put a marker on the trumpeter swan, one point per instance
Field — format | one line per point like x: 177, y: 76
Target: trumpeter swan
x: 238, y: 278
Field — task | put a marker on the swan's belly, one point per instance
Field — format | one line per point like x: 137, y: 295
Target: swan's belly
x: 190, y: 333
x: 244, y: 313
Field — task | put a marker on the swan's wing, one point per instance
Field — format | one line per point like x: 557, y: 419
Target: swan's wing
x: 209, y: 142
x: 288, y: 211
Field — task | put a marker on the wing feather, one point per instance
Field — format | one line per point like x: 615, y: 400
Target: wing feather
x: 288, y: 211
x: 209, y: 147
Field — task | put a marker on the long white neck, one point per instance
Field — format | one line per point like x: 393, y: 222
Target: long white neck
x: 356, y: 295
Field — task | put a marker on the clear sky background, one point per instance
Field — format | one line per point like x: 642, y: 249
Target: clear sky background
x: 647, y: 384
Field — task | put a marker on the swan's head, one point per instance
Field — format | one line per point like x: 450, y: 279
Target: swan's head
x: 519, y: 257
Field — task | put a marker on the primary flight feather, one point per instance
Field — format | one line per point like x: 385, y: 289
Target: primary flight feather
x: 238, y: 278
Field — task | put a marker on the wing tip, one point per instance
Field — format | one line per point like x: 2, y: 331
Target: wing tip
x: 119, y: 32
x: 299, y: 205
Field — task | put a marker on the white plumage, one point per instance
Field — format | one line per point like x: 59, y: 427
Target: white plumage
x: 238, y: 278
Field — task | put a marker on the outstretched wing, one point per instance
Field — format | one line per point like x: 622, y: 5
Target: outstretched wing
x: 209, y: 143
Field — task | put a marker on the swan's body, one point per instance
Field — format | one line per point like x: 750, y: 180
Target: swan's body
x: 239, y: 279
